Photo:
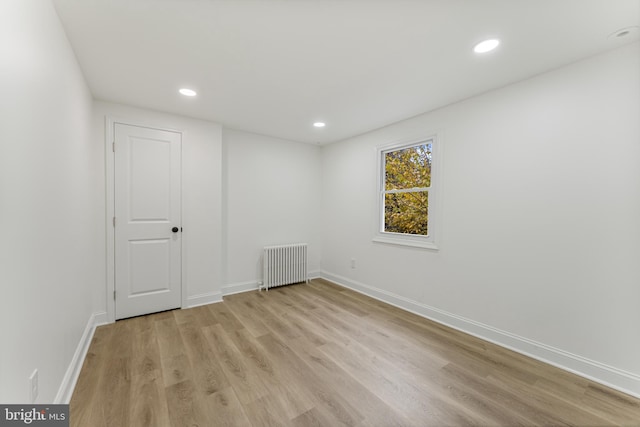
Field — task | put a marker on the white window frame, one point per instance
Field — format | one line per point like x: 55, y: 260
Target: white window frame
x: 417, y: 241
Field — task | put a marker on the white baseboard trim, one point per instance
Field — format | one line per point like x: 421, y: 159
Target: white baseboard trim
x: 204, y: 299
x: 65, y: 391
x: 100, y: 318
x: 609, y: 376
x: 316, y: 274
x: 236, y: 288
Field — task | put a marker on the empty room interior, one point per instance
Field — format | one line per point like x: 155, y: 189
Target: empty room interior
x: 298, y: 213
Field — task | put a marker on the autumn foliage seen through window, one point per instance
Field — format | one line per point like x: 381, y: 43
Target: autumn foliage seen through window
x: 407, y: 179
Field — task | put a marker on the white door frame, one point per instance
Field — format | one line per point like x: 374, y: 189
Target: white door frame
x: 110, y: 123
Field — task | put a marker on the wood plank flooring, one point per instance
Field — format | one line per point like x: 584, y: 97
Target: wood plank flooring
x: 322, y: 355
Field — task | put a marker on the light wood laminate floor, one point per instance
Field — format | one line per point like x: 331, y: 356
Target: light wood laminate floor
x: 322, y: 355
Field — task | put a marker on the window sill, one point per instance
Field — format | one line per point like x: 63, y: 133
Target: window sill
x: 399, y: 241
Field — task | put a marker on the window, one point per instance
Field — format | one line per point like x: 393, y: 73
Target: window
x: 406, y: 194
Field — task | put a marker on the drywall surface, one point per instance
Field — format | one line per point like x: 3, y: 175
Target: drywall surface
x: 51, y: 250
x: 272, y: 197
x: 539, y: 234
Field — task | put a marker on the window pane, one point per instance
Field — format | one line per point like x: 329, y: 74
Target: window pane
x: 408, y: 168
x: 406, y: 213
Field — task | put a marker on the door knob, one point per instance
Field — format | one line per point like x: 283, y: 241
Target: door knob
x: 175, y: 229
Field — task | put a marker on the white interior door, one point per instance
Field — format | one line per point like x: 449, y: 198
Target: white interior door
x: 147, y: 220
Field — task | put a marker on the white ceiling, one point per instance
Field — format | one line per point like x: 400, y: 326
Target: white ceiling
x: 276, y: 66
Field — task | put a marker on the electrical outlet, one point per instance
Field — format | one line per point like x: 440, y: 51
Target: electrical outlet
x: 33, y: 386
x: 353, y: 263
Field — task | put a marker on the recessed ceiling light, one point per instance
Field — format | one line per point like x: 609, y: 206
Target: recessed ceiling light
x: 319, y: 124
x: 486, y: 46
x: 188, y: 92
x: 623, y: 32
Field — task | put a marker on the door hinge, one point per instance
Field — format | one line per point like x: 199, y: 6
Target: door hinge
x: 114, y: 221
x: 114, y: 295
x: 113, y: 146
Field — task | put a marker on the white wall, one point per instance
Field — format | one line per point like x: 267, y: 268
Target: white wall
x: 272, y: 196
x: 201, y: 194
x: 51, y: 259
x: 540, y: 238
x: 241, y: 191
